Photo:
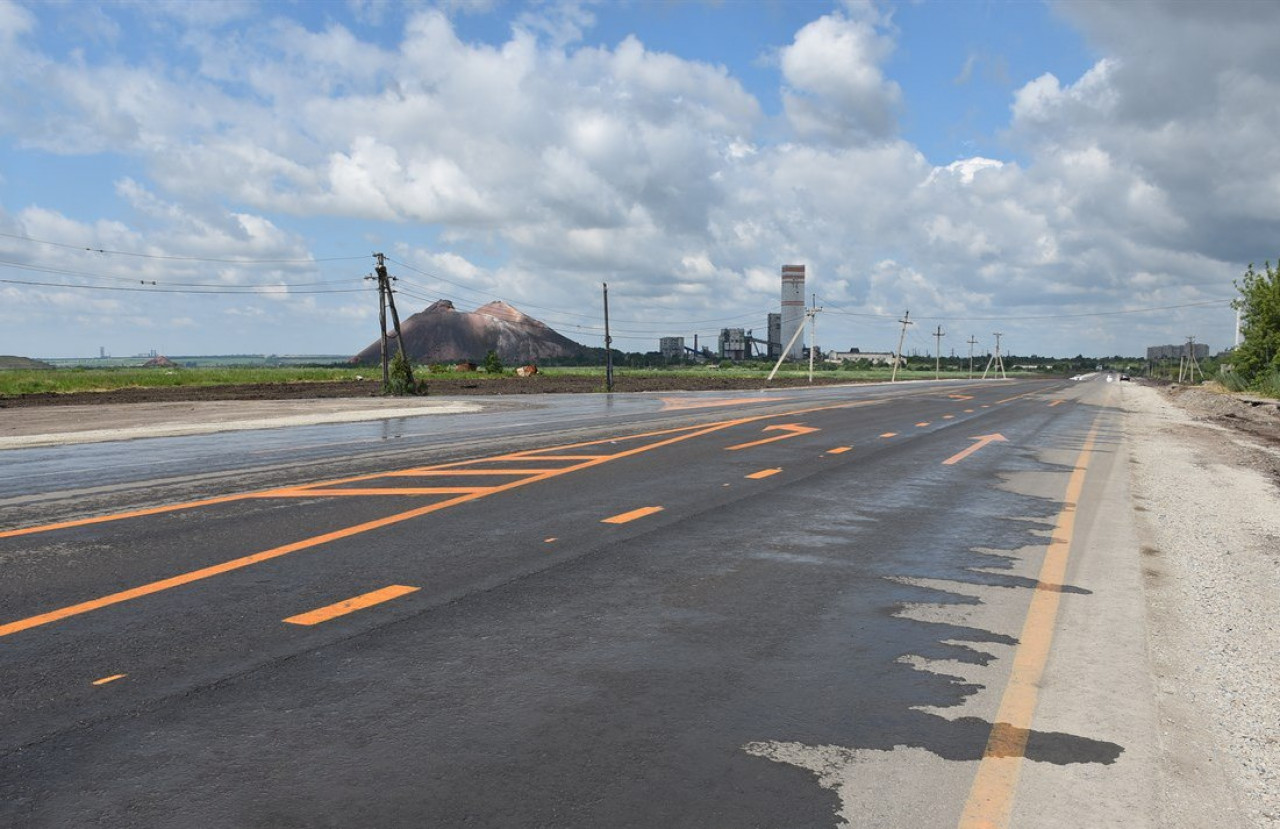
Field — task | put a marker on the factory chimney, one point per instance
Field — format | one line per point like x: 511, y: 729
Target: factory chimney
x: 793, y: 308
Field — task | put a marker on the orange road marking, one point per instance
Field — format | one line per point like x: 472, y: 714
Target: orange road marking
x: 549, y: 540
x: 304, y: 492
x: 982, y: 440
x: 623, y: 518
x: 990, y: 802
x: 533, y: 456
x: 1056, y: 403
x: 676, y: 403
x: 968, y: 411
x: 342, y: 608
x: 763, y: 473
x: 839, y: 450
x: 986, y: 406
x: 684, y: 433
x: 889, y: 435
x: 960, y: 396
x: 922, y: 424
x: 1015, y: 397
x: 118, y: 516
x: 948, y: 417
x: 792, y: 430
x: 107, y: 679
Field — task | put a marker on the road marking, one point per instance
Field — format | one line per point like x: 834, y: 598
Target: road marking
x: 792, y: 430
x: 624, y: 517
x: 1056, y: 403
x: 549, y: 540
x: 922, y: 424
x: 889, y: 435
x: 990, y: 802
x: 948, y: 417
x: 982, y: 440
x: 107, y: 679
x: 1016, y: 397
x: 308, y: 492
x: 839, y: 450
x: 960, y: 396
x: 342, y: 608
x: 968, y: 411
x: 670, y: 404
x: 763, y: 473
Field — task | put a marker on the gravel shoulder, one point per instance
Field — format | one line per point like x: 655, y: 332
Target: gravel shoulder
x: 1205, y: 477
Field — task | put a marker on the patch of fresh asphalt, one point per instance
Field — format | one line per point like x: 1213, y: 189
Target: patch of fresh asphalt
x: 760, y: 653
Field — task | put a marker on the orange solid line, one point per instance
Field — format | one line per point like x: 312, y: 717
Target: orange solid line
x: 631, y: 516
x: 990, y: 802
x: 107, y: 679
x: 764, y: 473
x: 342, y: 608
x: 117, y: 516
x: 393, y: 490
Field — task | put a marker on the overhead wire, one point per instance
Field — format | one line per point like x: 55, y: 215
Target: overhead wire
x: 236, y: 261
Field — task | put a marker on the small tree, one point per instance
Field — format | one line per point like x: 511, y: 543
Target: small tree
x: 492, y: 363
x: 1259, y: 304
x: 400, y: 376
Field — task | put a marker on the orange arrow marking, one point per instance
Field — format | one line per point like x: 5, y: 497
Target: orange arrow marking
x: 982, y: 440
x: 792, y: 430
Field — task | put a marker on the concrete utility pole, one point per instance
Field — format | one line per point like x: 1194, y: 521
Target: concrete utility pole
x: 906, y: 320
x: 972, y: 341
x: 787, y: 350
x: 812, y: 313
x: 937, y: 355
x: 386, y: 299
x: 1191, y: 365
x: 996, y: 360
x: 608, y: 343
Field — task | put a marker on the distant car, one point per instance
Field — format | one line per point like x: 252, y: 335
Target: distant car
x: 1124, y: 377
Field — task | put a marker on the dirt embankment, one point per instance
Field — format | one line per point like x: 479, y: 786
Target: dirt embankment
x: 538, y: 384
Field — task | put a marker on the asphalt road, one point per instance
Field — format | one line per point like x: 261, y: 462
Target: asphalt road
x: 877, y: 605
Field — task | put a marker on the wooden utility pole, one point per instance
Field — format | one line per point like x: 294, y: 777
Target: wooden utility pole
x: 972, y: 341
x: 906, y: 320
x: 608, y: 344
x: 937, y: 354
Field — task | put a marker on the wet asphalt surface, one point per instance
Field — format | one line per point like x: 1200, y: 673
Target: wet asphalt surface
x: 550, y: 669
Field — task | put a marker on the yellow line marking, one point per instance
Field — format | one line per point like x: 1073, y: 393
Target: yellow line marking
x: 948, y: 417
x: 968, y: 411
x: 533, y: 456
x: 763, y: 473
x: 960, y: 396
x: 549, y: 540
x: 118, y: 516
x: 990, y: 802
x: 839, y: 450
x: 792, y: 429
x: 107, y: 679
x: 982, y: 440
x: 1015, y: 397
x: 889, y: 435
x: 342, y: 608
x: 624, y: 517
x: 922, y: 424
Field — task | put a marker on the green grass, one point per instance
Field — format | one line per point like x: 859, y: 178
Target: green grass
x: 63, y: 381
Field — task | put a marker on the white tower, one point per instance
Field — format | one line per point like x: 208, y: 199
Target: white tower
x: 793, y: 308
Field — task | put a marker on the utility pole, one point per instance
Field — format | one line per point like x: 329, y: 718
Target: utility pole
x: 906, y: 320
x: 386, y: 299
x: 608, y: 344
x: 972, y: 341
x: 1192, y: 365
x: 937, y: 355
x: 996, y: 360
x: 812, y: 313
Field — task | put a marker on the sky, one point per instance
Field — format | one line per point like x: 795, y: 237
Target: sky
x: 213, y: 176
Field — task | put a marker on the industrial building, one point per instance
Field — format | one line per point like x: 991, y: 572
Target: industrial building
x: 671, y: 348
x: 733, y: 344
x: 792, y: 309
x: 853, y: 355
x: 774, y: 336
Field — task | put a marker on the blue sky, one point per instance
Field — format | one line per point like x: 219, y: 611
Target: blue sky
x: 1085, y: 177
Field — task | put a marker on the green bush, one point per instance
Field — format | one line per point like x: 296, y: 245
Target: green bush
x: 400, y: 382
x: 492, y: 363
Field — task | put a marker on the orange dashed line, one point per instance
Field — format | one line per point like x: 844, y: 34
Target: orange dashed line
x: 889, y: 435
x: 1056, y: 403
x: 763, y: 473
x: 948, y: 417
x: 342, y: 608
x: 839, y: 450
x: 968, y: 411
x: 549, y: 540
x: 922, y: 424
x: 107, y: 679
x: 623, y: 518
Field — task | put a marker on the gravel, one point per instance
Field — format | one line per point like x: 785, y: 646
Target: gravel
x: 1210, y: 513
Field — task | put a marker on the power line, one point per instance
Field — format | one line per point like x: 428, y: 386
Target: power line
x: 237, y: 261
x: 241, y: 290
